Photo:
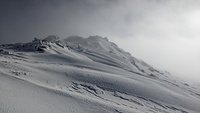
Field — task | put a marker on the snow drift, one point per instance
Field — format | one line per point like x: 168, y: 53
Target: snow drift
x: 87, y: 75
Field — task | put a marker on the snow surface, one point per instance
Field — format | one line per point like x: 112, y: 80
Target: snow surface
x: 87, y: 75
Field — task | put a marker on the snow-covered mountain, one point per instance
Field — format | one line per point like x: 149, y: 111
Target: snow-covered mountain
x: 87, y: 75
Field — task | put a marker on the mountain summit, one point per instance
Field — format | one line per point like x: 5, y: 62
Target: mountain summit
x: 87, y: 75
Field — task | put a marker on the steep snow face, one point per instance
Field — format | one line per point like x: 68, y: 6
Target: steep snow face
x: 96, y: 43
x: 109, y: 53
x: 82, y: 75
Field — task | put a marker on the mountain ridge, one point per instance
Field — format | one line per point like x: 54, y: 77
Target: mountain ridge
x: 80, y: 44
x: 86, y: 76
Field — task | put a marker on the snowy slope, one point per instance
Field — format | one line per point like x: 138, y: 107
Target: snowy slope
x: 101, y: 50
x: 87, y: 75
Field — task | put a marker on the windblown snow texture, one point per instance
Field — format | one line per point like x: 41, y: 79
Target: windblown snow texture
x: 87, y: 75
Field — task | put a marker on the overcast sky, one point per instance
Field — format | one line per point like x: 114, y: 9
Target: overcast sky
x: 164, y: 33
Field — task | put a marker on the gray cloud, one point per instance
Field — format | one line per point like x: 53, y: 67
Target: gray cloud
x: 165, y: 33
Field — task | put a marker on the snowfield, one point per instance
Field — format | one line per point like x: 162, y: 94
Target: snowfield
x: 87, y: 75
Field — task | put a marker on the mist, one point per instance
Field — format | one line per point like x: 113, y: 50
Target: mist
x: 164, y: 34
